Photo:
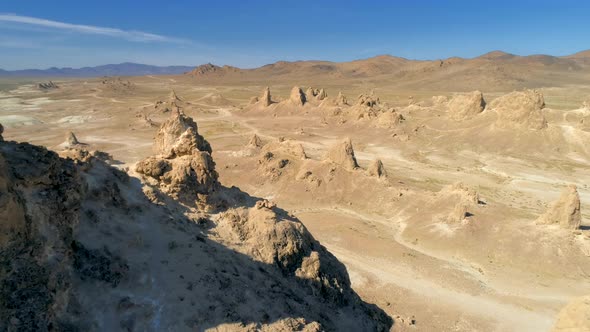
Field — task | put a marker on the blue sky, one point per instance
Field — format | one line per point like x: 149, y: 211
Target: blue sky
x: 41, y: 34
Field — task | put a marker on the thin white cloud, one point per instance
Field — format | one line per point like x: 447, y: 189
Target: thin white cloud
x: 131, y: 35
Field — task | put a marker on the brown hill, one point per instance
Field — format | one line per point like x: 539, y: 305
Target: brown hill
x: 211, y: 69
x: 580, y: 55
x: 496, y: 55
x: 495, y: 70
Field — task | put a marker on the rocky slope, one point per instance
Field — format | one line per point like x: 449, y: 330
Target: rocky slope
x: 84, y: 246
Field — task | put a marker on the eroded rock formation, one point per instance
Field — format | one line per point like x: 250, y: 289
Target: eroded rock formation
x: 173, y: 128
x: 462, y: 199
x: 341, y: 99
x: 297, y: 97
x: 343, y: 154
x: 255, y: 142
x: 564, y: 212
x: 71, y: 139
x: 377, y: 169
x: 466, y: 106
x: 265, y: 99
x: 184, y: 167
x: 521, y: 108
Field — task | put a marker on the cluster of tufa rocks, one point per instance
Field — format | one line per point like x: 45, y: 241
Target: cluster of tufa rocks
x: 60, y: 271
x: 319, y: 94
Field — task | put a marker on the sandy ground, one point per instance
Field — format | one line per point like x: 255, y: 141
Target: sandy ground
x: 499, y: 273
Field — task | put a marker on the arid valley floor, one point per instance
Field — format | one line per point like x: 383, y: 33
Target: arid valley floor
x: 439, y: 201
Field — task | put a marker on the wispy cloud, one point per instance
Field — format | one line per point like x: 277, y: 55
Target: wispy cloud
x: 131, y: 35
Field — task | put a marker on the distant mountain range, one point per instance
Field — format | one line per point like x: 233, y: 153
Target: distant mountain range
x: 495, y: 70
x: 121, y: 69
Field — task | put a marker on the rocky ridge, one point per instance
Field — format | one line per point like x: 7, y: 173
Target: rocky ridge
x: 161, y: 267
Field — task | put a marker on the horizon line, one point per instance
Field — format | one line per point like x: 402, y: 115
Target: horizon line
x: 294, y: 61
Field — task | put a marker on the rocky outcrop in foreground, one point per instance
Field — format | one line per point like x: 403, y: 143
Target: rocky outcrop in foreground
x: 85, y: 247
x: 40, y: 201
x: 184, y: 168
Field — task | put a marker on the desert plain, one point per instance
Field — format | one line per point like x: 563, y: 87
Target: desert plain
x: 455, y: 192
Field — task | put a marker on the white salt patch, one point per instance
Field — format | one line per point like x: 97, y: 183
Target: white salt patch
x: 11, y: 121
x: 74, y: 119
